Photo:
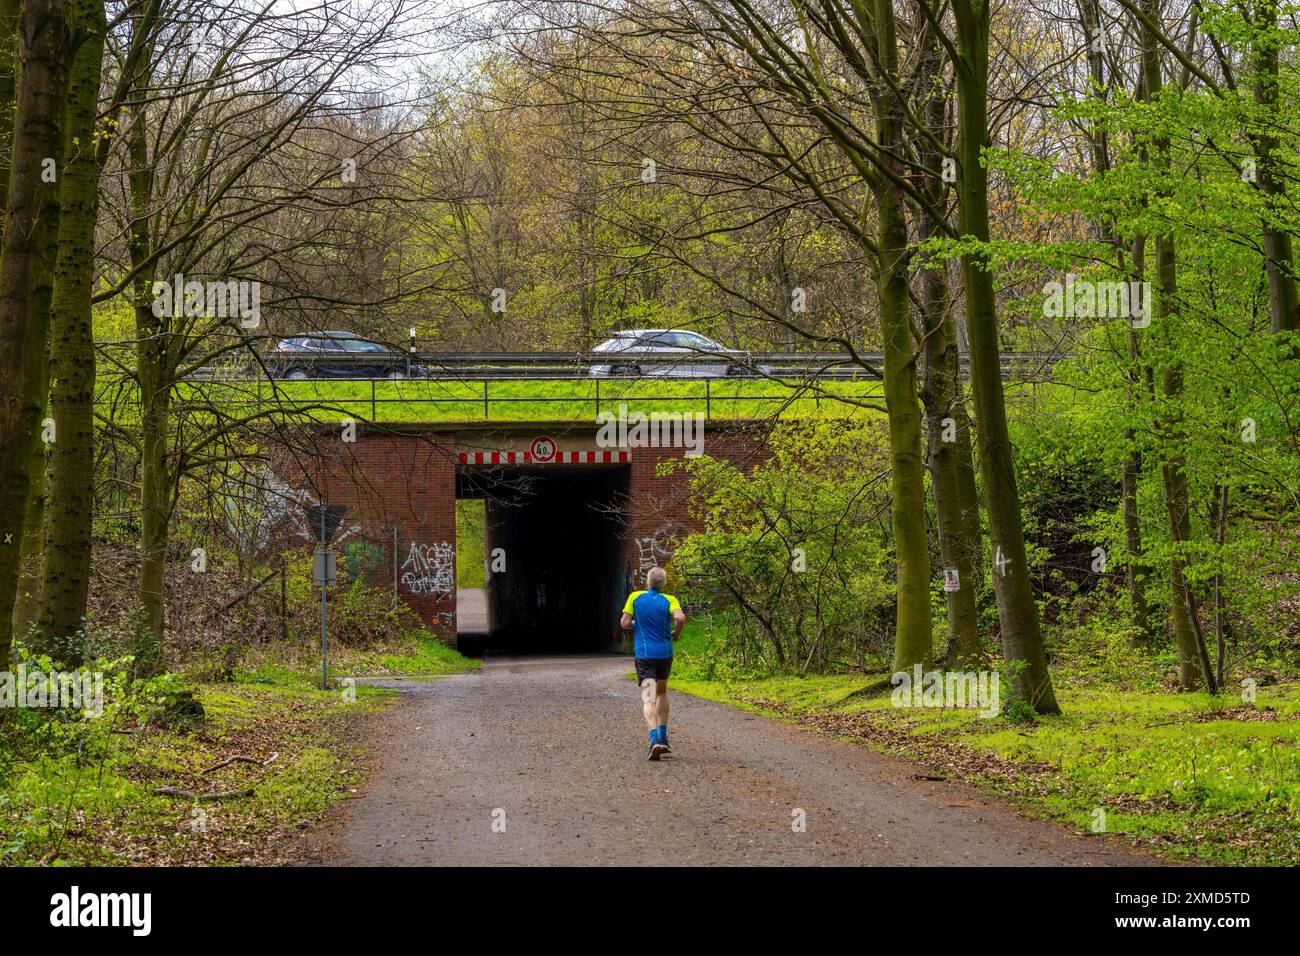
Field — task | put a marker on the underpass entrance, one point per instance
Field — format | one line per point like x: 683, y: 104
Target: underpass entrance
x: 553, y: 546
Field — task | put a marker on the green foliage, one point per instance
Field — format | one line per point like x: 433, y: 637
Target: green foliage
x: 471, y: 543
x: 1201, y: 386
x: 118, y: 699
x: 1065, y: 482
x: 81, y: 793
x: 795, y: 552
x: 363, y: 616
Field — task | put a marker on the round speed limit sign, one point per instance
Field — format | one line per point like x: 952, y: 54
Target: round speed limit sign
x: 542, y: 449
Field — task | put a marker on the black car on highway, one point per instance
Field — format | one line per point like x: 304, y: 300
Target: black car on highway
x: 339, y: 355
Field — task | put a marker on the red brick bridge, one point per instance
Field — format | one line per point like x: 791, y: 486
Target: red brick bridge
x: 576, y: 523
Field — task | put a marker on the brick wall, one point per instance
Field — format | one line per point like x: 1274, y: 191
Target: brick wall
x: 658, y: 509
x: 407, y: 482
x: 392, y: 481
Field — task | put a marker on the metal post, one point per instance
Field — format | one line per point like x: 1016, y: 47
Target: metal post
x: 324, y: 639
x: 598, y: 397
x: 486, y: 415
x: 374, y: 411
x: 708, y: 403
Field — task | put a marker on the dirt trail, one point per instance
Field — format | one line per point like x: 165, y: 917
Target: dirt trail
x: 554, y: 747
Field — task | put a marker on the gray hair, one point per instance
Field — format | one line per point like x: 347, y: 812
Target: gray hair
x: 656, y: 578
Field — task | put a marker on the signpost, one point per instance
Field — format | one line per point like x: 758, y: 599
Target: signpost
x: 324, y: 571
x: 542, y: 449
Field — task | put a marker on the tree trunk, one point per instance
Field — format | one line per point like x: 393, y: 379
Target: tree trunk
x: 25, y: 281
x: 967, y: 492
x: 1131, y: 468
x: 68, y: 520
x: 946, y: 421
x: 1022, y: 643
x: 1140, y: 377
x: 27, y: 600
x: 911, y: 542
x: 153, y: 374
x: 155, y: 394
x: 915, y: 634
x: 958, y: 536
x: 1172, y: 468
x: 1134, y: 568
x: 9, y: 19
x: 1284, y: 301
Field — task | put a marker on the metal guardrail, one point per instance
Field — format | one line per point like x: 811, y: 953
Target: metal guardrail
x: 260, y: 393
x: 558, y: 365
x: 802, y: 373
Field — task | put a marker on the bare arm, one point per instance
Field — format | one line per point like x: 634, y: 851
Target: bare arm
x: 679, y: 622
x: 625, y: 622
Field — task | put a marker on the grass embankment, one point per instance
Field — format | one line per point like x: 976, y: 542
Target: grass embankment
x: 82, y: 792
x: 1190, y: 776
x: 568, y: 400
x: 298, y: 664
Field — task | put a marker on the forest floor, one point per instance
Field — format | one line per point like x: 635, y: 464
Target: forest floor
x: 279, y: 749
x: 1191, y: 777
x: 1182, y: 775
x: 541, y: 761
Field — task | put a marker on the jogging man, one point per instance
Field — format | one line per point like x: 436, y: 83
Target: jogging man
x: 658, y: 620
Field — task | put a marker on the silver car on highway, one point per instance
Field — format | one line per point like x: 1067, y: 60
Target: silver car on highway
x: 670, y: 353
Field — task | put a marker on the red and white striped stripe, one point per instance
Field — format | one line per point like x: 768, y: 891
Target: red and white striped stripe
x: 560, y: 458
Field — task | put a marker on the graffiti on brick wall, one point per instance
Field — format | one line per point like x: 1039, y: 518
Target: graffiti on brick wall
x: 264, y: 506
x: 654, y: 549
x: 430, y: 569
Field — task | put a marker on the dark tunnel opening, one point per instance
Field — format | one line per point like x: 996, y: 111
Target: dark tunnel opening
x: 558, y: 530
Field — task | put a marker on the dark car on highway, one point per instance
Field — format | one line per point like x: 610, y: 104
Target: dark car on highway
x: 339, y: 355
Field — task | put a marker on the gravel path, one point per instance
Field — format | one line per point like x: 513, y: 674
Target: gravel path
x: 554, y: 750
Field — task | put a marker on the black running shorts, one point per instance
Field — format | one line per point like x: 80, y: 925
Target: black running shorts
x: 654, y: 668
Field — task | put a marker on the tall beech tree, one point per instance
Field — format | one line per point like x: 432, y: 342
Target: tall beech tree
x: 952, y: 471
x: 1022, y: 640
x: 69, y: 508
x: 45, y: 47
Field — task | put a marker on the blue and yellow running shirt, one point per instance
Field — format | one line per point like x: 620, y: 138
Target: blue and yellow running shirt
x: 653, y: 614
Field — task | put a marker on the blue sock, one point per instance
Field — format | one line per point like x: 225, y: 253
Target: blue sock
x: 654, y: 736
x: 663, y: 733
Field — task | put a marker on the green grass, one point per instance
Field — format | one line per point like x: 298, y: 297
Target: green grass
x: 576, y: 400
x: 428, y: 658
x: 1189, y: 776
x: 471, y: 570
x: 297, y: 664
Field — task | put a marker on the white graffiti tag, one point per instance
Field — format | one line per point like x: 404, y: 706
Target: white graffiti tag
x: 430, y: 569
x: 653, y: 549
